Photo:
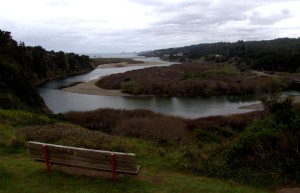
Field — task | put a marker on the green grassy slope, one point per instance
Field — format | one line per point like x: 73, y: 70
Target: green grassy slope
x: 19, y: 173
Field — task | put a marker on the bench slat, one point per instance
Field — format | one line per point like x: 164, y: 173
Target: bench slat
x: 132, y: 172
x: 96, y: 157
x: 104, y: 164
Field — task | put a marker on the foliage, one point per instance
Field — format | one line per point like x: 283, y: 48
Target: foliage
x: 23, y: 67
x: 16, y: 89
x: 280, y: 107
x: 19, y: 173
x: 131, y: 87
x: 141, y: 124
x: 191, y: 79
x: 205, y: 145
x: 281, y: 54
x: 101, y: 61
x: 267, y: 152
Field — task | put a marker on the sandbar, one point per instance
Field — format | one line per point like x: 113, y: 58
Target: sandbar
x: 90, y: 88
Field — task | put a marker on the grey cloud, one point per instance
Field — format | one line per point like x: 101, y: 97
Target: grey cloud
x: 175, y: 24
x: 148, y: 2
x: 58, y: 3
x: 207, y: 22
x: 257, y: 19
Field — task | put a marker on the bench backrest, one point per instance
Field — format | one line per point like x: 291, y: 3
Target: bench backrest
x: 86, y: 158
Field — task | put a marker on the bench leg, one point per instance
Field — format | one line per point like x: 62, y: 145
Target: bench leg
x: 113, y: 166
x: 46, y: 158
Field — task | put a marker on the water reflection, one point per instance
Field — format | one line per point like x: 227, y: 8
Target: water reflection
x: 60, y: 101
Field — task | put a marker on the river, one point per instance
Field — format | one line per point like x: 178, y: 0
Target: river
x: 59, y: 101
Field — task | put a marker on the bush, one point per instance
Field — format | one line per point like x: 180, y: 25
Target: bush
x: 159, y: 129
x: 71, y: 135
x: 191, y: 79
x: 207, y: 136
x: 135, y: 123
x: 131, y: 87
x: 268, y: 149
x: 101, y: 120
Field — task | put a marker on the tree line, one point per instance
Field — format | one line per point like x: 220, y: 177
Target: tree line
x: 23, y: 67
x: 281, y: 54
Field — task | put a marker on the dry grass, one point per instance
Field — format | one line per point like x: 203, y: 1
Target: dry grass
x: 191, y: 79
x: 136, y: 123
x: 72, y: 135
x: 159, y: 129
x: 155, y: 127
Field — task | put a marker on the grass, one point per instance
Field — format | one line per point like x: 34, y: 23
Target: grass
x: 160, y: 165
x: 22, y: 174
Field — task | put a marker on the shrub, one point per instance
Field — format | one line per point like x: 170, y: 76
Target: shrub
x: 131, y: 87
x: 207, y: 136
x: 159, y: 129
x: 71, y: 135
x: 279, y: 106
x: 268, y: 149
x: 135, y: 123
x: 101, y: 120
x: 191, y: 79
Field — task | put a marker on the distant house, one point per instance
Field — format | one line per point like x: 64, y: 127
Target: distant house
x: 179, y: 54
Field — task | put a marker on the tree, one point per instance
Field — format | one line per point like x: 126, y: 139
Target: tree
x: 280, y: 107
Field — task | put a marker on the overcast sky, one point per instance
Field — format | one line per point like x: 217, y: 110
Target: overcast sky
x: 112, y: 26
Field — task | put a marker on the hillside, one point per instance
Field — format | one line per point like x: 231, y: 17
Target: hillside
x: 259, y: 149
x: 22, y: 68
x: 274, y: 55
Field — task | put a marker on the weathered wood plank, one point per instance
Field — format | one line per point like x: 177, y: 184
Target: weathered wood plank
x: 118, y: 171
x: 85, y: 161
x: 98, y: 157
x: 85, y: 158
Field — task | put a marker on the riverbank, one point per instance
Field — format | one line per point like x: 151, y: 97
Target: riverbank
x: 90, y: 88
x: 127, y: 64
x: 259, y: 106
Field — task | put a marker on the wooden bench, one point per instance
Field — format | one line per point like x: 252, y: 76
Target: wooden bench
x: 114, y: 162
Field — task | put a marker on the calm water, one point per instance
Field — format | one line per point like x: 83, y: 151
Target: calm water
x: 60, y: 101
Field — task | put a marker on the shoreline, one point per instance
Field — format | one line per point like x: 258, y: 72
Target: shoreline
x: 90, y: 88
x: 126, y: 64
x: 259, y: 106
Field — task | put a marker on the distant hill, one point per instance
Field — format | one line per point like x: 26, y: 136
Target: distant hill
x: 22, y: 68
x: 274, y: 55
